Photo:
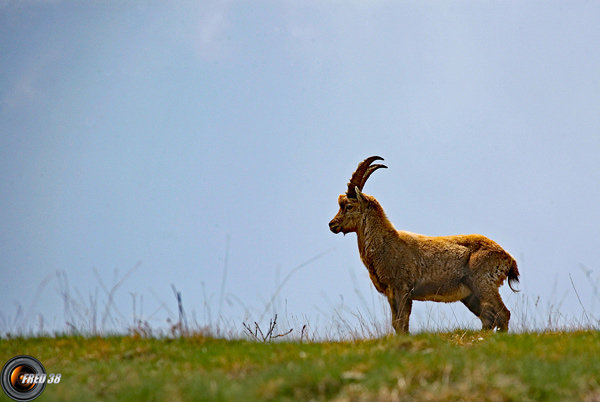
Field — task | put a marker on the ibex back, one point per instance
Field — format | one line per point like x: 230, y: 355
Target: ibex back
x: 406, y: 266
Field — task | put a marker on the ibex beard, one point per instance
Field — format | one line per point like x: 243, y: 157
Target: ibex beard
x: 406, y: 266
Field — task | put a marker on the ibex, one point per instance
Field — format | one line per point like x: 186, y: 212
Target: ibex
x: 406, y: 266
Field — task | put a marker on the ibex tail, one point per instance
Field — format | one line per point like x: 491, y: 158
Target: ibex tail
x: 513, y: 275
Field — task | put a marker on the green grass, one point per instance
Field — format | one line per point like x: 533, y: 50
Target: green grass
x: 457, y: 366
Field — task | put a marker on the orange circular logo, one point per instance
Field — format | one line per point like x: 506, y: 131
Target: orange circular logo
x: 23, y: 378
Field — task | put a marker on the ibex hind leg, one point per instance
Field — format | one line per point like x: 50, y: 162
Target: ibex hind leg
x: 473, y: 304
x: 495, y: 314
x: 502, y: 315
x: 483, y: 311
x: 484, y: 287
x: 492, y: 313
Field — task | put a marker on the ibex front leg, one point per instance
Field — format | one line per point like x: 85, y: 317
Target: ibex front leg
x: 401, y: 306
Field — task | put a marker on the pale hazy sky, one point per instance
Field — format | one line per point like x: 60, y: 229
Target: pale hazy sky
x: 152, y: 131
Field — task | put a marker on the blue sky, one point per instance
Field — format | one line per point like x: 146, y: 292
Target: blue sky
x: 155, y: 131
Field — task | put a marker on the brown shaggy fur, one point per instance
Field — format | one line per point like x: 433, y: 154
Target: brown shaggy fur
x: 407, y: 266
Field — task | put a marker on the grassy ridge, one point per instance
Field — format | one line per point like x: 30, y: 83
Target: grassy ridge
x: 468, y: 366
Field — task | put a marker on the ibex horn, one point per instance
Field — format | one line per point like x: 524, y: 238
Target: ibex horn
x: 362, y: 173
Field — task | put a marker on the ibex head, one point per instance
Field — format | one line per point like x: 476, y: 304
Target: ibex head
x: 353, y: 203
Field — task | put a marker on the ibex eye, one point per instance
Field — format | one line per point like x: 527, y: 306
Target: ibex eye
x: 349, y: 207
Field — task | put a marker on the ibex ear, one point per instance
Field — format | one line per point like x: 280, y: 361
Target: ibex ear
x: 359, y: 195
